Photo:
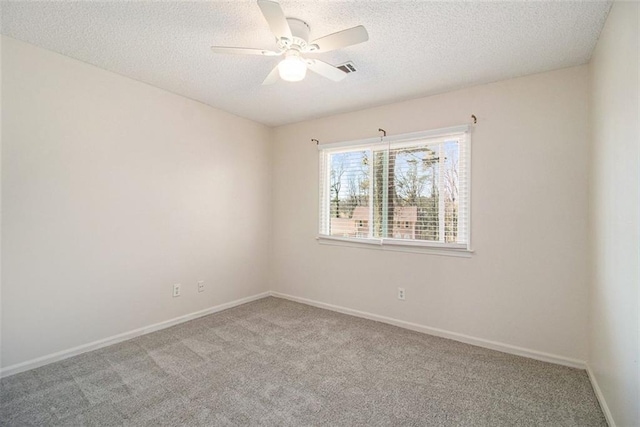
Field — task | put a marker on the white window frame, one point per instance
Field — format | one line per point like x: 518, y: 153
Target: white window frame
x: 390, y: 244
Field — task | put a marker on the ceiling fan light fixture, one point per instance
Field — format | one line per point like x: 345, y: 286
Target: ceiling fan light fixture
x: 292, y: 68
x: 292, y: 39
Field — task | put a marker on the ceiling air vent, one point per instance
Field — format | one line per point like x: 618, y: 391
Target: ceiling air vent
x: 347, y: 67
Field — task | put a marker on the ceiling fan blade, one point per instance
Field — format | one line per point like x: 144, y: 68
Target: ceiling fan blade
x: 272, y: 77
x: 243, y: 51
x: 275, y: 18
x: 341, y: 39
x: 326, y: 70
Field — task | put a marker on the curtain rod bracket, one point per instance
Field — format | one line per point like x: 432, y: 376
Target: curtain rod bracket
x: 315, y: 140
x: 475, y: 119
x: 384, y: 132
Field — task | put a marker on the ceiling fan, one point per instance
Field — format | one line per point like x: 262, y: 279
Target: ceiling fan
x: 292, y: 38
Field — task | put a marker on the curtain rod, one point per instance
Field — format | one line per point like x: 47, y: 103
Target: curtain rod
x: 384, y: 132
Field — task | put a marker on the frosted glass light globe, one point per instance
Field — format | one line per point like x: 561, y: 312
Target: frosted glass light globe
x: 292, y: 68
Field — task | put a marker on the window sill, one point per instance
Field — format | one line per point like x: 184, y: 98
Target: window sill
x: 395, y: 246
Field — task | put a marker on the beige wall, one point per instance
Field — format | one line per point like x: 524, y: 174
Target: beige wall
x: 113, y: 190
x: 526, y: 284
x: 615, y: 172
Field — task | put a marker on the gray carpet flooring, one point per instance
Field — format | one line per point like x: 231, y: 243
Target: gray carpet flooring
x: 279, y: 363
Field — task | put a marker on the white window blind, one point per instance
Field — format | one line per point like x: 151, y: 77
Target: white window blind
x: 410, y: 189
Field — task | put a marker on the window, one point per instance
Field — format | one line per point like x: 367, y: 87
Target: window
x: 409, y: 189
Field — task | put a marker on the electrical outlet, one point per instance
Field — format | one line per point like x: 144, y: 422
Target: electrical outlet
x: 401, y: 294
x: 176, y: 290
x: 200, y: 285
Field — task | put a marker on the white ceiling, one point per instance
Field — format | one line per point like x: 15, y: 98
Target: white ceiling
x: 416, y: 48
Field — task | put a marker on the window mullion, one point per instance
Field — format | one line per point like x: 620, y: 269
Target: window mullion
x: 441, y: 204
x: 371, y: 191
x: 385, y: 194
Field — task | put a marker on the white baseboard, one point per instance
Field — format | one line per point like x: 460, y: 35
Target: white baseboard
x: 600, y: 396
x: 480, y: 342
x: 65, y: 354
x: 493, y: 345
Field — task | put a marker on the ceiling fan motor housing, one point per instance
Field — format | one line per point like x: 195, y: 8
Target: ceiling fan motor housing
x: 300, y: 31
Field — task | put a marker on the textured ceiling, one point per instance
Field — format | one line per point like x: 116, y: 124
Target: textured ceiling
x: 415, y: 48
